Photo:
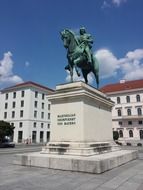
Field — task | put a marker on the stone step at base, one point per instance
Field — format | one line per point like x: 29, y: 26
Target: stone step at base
x: 92, y: 164
x: 79, y: 149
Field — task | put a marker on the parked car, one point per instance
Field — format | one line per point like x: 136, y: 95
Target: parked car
x: 6, y: 143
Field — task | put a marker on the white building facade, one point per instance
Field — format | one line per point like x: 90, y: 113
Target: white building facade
x: 27, y: 108
x: 127, y: 114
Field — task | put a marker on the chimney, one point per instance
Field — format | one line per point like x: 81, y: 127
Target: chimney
x: 122, y: 81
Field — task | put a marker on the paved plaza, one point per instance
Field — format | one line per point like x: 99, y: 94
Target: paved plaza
x: 14, y: 177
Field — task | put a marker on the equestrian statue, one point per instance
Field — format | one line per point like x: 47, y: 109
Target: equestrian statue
x: 79, y: 54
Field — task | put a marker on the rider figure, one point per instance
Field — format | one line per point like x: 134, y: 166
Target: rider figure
x: 86, y: 42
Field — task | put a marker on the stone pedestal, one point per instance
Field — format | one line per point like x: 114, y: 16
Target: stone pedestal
x: 80, y: 113
x: 80, y: 121
x: 81, y: 133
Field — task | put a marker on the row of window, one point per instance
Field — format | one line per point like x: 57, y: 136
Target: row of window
x: 131, y: 134
x: 22, y: 114
x: 129, y: 112
x: 34, y: 125
x: 138, y: 99
x: 23, y: 94
x: 140, y: 122
x: 14, y: 94
x: 14, y: 104
x: 13, y: 114
x: 22, y: 104
x: 42, y: 114
x: 34, y: 137
x: 42, y: 105
x: 42, y: 125
x: 36, y: 95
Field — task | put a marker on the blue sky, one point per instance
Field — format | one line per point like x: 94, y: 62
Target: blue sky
x: 31, y: 47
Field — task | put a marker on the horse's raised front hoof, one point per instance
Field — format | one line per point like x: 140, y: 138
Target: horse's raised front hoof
x: 78, y: 74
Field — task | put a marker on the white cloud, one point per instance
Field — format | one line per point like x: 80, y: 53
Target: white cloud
x: 110, y: 3
x: 134, y: 75
x: 118, y: 2
x: 108, y: 63
x: 6, y: 74
x: 136, y: 54
x: 130, y: 66
x: 76, y: 78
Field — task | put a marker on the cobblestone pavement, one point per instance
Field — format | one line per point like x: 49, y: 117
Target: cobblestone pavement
x: 14, y: 177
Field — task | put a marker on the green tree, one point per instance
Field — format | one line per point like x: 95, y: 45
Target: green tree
x: 6, y: 129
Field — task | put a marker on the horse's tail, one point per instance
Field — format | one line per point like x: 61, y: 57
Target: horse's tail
x: 96, y: 70
x: 95, y: 64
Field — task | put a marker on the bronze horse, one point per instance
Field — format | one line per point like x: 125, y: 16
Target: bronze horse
x: 77, y: 58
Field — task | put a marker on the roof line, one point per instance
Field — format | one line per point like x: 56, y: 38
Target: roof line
x: 26, y: 84
x: 123, y: 86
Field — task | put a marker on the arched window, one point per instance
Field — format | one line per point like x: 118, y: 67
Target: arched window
x: 129, y: 112
x: 138, y: 98
x: 121, y: 134
x: 128, y: 99
x: 118, y: 100
x: 141, y: 134
x: 139, y: 111
x: 119, y: 112
x: 130, y: 133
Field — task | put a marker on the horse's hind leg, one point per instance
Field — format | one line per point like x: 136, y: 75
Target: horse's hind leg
x: 77, y: 72
x: 95, y: 70
x: 96, y: 74
x: 97, y: 80
x: 71, y: 73
x: 84, y: 72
